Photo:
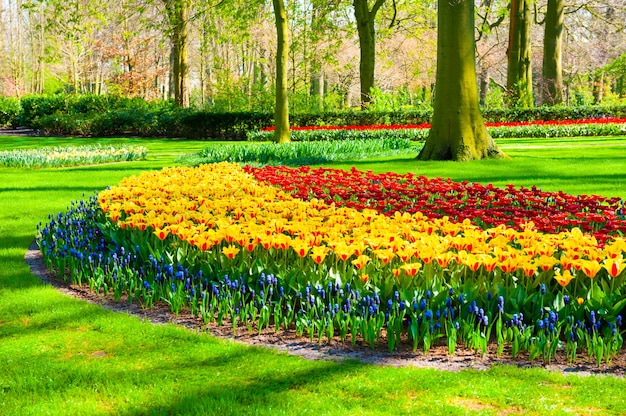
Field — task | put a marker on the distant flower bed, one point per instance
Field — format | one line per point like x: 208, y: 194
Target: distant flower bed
x: 70, y: 156
x: 300, y: 153
x: 538, y: 128
x: 230, y: 248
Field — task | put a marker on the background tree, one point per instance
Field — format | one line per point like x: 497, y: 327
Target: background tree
x: 519, y: 81
x: 458, y: 131
x: 552, y: 70
x: 366, y: 28
x: 178, y: 18
x: 124, y: 47
x: 281, y: 108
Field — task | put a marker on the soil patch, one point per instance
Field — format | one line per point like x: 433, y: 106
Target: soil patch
x: 335, y: 350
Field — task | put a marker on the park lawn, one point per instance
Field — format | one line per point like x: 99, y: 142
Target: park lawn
x: 584, y: 165
x: 62, y: 356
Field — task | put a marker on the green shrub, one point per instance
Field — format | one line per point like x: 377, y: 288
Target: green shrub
x: 10, y: 110
x: 112, y: 115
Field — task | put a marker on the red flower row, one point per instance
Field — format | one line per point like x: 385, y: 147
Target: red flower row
x: 485, y: 205
x: 607, y: 120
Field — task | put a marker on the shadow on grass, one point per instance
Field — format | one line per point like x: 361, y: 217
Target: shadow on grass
x: 260, y: 392
x: 219, y: 377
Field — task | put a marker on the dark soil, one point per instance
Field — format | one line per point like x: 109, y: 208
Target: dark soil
x: 437, y: 357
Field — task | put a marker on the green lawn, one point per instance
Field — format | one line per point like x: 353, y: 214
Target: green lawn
x: 595, y: 166
x: 61, y: 356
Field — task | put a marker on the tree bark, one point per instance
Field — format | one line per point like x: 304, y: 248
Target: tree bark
x: 598, y: 87
x: 178, y: 15
x: 281, y: 109
x: 552, y: 46
x: 519, y: 80
x: 365, y: 19
x: 458, y: 131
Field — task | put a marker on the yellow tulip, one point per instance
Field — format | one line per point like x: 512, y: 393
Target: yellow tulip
x: 411, y: 269
x: 384, y: 255
x: 563, y: 278
x: 590, y: 268
x: 230, y: 251
x: 614, y: 266
x: 319, y: 253
x: 361, y: 261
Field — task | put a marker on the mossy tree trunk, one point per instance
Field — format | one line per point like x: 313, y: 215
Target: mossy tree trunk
x: 458, y: 131
x: 519, y: 80
x: 552, y: 61
x: 365, y: 19
x: 281, y: 109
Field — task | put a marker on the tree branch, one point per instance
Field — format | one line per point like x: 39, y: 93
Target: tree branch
x: 395, y: 14
x: 376, y: 7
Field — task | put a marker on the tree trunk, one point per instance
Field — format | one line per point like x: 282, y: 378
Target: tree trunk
x: 519, y: 80
x: 552, y: 62
x: 178, y: 15
x: 317, y: 89
x: 458, y: 131
x: 484, y: 86
x: 365, y: 19
x: 281, y: 109
x: 598, y: 87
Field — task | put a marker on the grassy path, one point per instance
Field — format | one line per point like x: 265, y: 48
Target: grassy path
x: 61, y: 356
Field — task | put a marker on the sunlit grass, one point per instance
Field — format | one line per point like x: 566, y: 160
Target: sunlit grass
x: 61, y: 356
x: 573, y: 165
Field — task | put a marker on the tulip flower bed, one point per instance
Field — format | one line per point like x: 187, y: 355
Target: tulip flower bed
x: 417, y: 132
x: 230, y: 248
x: 70, y: 156
x: 484, y: 205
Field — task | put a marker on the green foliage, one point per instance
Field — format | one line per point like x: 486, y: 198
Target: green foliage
x: 495, y: 97
x: 553, y: 113
x: 96, y: 115
x: 300, y: 153
x: 9, y: 111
